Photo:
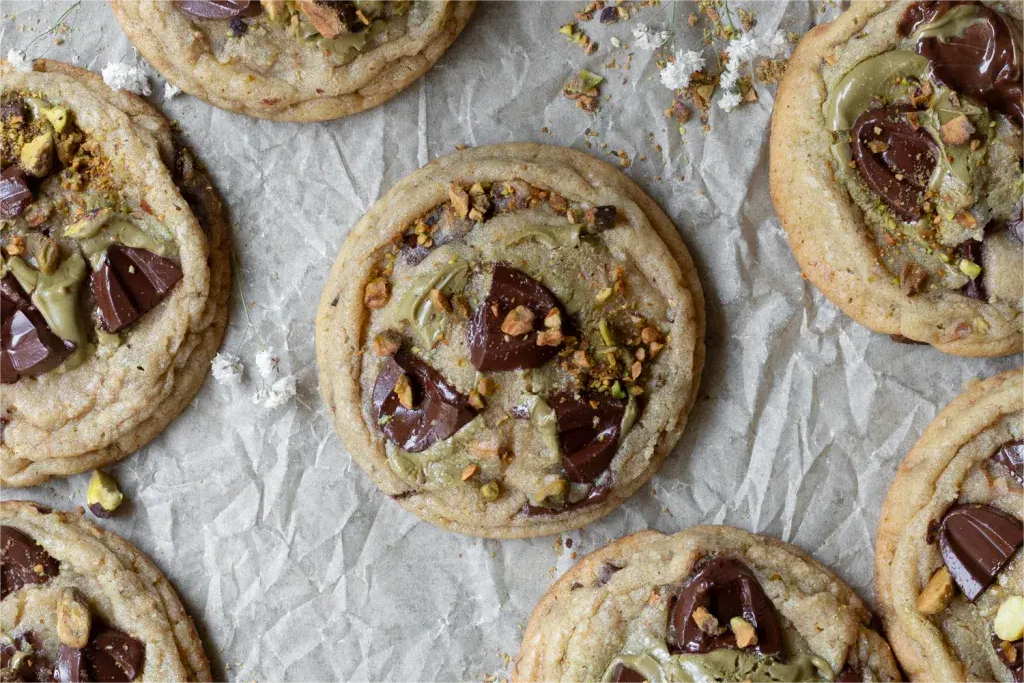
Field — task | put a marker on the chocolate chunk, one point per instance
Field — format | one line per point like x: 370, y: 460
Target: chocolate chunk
x: 622, y: 673
x: 588, y: 429
x: 899, y: 173
x: 27, y: 345
x: 604, y: 216
x: 975, y: 287
x: 70, y: 666
x: 1010, y: 654
x: 1011, y: 456
x: 238, y: 27
x: 129, y: 283
x: 976, y: 542
x: 33, y: 665
x: 726, y: 589
x: 850, y: 674
x: 213, y: 9
x: 984, y: 63
x: 12, y: 107
x: 112, y: 655
x: 490, y: 349
x: 595, y: 495
x: 14, y: 193
x: 900, y: 339
x: 23, y: 561
x: 439, y: 410
x: 605, y: 571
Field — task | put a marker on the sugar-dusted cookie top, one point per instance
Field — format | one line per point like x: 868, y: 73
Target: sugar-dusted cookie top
x: 511, y: 339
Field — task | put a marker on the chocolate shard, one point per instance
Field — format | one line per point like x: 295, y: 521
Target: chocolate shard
x: 595, y: 495
x: 112, y: 655
x: 70, y: 666
x: 23, y: 561
x: 438, y: 412
x: 899, y: 173
x: 975, y: 287
x: 490, y: 349
x: 623, y: 674
x: 727, y: 589
x: 976, y: 542
x: 129, y: 283
x: 605, y: 571
x: 32, y: 665
x: 27, y: 345
x: 588, y: 428
x: 14, y: 193
x: 1010, y: 654
x: 1011, y: 456
x: 213, y: 9
x: 604, y: 217
x: 983, y: 63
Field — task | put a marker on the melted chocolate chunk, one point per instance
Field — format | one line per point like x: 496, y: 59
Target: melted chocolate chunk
x: 623, y: 674
x: 726, y: 589
x: 27, y: 345
x: 70, y: 666
x: 129, y: 283
x: 976, y: 542
x: 984, y: 63
x: 14, y: 193
x: 1011, y: 456
x: 595, y: 495
x: 604, y: 217
x: 34, y: 666
x: 588, y: 429
x: 213, y: 9
x: 23, y: 561
x: 850, y: 674
x: 112, y: 655
x: 975, y: 287
x: 899, y: 173
x: 490, y: 349
x: 1010, y: 654
x: 438, y: 411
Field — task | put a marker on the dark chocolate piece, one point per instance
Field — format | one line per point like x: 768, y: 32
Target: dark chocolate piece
x: 976, y: 542
x: 492, y: 350
x: 623, y: 674
x: 850, y: 674
x: 984, y: 63
x: 70, y: 666
x: 129, y: 283
x: 605, y: 571
x: 1011, y: 456
x: 899, y: 174
x: 27, y: 345
x: 604, y: 217
x: 34, y: 666
x: 595, y: 495
x: 975, y: 287
x: 12, y: 107
x: 588, y: 428
x: 14, y: 193
x: 439, y: 410
x: 213, y: 9
x: 112, y: 655
x: 1010, y: 654
x: 900, y: 339
x: 23, y: 561
x: 726, y: 589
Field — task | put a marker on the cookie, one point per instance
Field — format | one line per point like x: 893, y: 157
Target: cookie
x: 709, y: 603
x: 83, y: 604
x: 115, y: 273
x: 949, y: 576
x: 511, y: 339
x: 896, y: 170
x: 292, y: 60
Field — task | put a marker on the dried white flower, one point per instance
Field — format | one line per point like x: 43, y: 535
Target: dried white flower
x: 170, y: 91
x: 18, y: 60
x: 125, y: 77
x: 728, y: 80
x: 282, y: 390
x: 616, y: 42
x: 646, y: 39
x: 677, y: 74
x: 729, y: 100
x: 266, y: 363
x: 776, y: 46
x: 741, y: 50
x: 226, y: 368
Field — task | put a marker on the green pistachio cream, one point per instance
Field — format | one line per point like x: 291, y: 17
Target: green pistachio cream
x: 657, y: 666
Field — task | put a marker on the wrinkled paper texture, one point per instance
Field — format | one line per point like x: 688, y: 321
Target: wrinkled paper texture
x: 291, y: 562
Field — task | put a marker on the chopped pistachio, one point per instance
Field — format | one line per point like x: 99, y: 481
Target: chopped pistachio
x: 103, y: 497
x: 469, y: 471
x: 604, y: 295
x: 970, y: 268
x: 403, y: 390
x: 606, y: 332
x: 490, y: 491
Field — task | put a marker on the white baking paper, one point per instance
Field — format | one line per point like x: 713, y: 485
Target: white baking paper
x: 291, y: 562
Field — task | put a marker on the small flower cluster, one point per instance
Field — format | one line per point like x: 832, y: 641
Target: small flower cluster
x: 741, y: 50
x: 277, y: 389
x: 126, y: 77
x: 18, y: 60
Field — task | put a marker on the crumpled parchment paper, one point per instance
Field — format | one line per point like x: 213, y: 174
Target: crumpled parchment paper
x: 293, y: 565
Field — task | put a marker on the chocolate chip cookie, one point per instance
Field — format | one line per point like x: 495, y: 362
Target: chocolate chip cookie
x: 949, y: 576
x: 711, y: 603
x: 78, y: 603
x: 511, y: 339
x: 114, y: 273
x: 292, y: 60
x: 896, y: 170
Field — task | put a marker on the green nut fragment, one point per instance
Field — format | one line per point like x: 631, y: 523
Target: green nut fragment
x: 58, y: 118
x: 606, y: 333
x: 103, y: 496
x: 88, y: 225
x: 73, y: 619
x: 36, y: 158
x: 552, y: 494
x: 47, y: 255
x: 970, y: 268
x: 618, y: 391
x: 490, y: 491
